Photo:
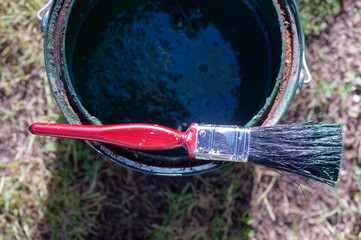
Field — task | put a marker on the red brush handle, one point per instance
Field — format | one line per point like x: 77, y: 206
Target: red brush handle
x: 135, y: 136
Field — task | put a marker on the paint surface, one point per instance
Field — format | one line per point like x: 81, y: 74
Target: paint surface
x: 153, y: 67
x: 171, y: 62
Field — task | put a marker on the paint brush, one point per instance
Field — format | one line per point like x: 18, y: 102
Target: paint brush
x: 311, y: 150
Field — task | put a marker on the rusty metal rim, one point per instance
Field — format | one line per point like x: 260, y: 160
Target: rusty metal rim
x: 287, y: 84
x: 67, y: 100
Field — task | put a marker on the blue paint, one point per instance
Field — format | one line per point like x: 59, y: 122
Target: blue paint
x: 160, y: 69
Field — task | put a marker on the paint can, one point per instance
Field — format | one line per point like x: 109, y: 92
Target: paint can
x: 172, y: 63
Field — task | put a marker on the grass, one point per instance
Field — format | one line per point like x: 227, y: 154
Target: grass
x: 73, y: 203
x: 23, y: 175
x: 60, y: 189
x: 189, y: 203
x: 316, y: 14
x: 40, y: 191
x: 337, y: 100
x: 325, y: 91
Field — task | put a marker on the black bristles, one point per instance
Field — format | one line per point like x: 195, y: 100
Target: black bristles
x: 312, y: 150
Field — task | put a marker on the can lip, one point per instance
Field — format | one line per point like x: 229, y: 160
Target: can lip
x: 75, y: 113
x: 288, y: 80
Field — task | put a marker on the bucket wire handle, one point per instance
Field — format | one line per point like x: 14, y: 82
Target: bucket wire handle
x: 305, y: 77
x: 43, y: 14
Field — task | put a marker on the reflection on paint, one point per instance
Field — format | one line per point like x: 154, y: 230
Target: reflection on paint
x: 154, y: 66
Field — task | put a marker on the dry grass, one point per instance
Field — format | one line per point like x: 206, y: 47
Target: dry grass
x: 24, y: 97
x: 335, y: 61
x: 61, y: 189
x: 28, y: 166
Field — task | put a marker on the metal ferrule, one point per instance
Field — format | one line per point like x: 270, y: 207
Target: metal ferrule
x: 222, y: 143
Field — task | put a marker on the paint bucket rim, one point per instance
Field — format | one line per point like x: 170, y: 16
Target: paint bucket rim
x: 67, y: 99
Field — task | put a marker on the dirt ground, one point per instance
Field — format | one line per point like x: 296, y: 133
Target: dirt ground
x: 62, y: 189
x: 332, y: 56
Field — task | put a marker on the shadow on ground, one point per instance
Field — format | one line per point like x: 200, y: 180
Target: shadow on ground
x: 93, y: 198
